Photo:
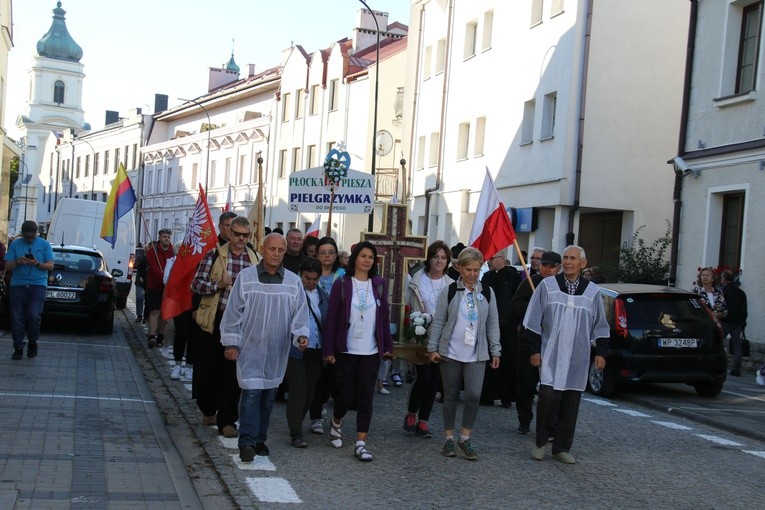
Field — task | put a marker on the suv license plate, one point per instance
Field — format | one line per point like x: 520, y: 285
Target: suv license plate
x: 679, y: 342
x: 60, y: 294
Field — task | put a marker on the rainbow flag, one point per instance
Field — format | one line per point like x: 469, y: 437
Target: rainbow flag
x: 121, y: 200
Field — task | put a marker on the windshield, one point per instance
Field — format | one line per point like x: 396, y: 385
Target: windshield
x: 76, y: 261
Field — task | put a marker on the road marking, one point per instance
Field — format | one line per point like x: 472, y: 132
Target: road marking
x: 597, y: 401
x: 671, y: 425
x: 232, y: 443
x: 273, y: 490
x: 187, y: 386
x: 631, y: 412
x: 81, y: 397
x: 260, y: 463
x: 744, y: 395
x: 718, y: 440
x: 755, y: 453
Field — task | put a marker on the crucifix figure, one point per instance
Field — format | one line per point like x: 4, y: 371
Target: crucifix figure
x: 395, y: 247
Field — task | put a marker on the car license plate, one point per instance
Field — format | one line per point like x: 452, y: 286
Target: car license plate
x: 60, y: 294
x: 679, y: 342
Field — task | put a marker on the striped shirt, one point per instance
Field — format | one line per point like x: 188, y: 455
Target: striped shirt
x: 202, y: 284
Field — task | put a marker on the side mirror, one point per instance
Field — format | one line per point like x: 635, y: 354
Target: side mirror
x: 117, y: 273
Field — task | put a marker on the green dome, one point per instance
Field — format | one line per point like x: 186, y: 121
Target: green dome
x: 231, y: 66
x: 57, y: 43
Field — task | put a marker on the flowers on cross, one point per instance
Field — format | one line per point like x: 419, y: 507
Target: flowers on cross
x: 416, y: 326
x: 336, y: 166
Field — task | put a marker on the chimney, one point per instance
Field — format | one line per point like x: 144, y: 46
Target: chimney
x: 111, y: 117
x: 251, y: 71
x: 220, y: 77
x: 160, y: 103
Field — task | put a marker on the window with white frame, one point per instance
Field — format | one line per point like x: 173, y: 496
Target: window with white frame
x: 299, y: 103
x: 421, y: 153
x: 314, y: 100
x: 282, y: 163
x: 106, y: 162
x: 427, y: 62
x: 169, y: 188
x: 148, y: 184
x: 527, y: 128
x: 296, y: 162
x: 748, y: 52
x: 158, y: 185
x: 181, y: 185
x: 87, y: 165
x: 334, y: 94
x: 548, y: 115
x: 214, y: 177
x: 285, y: 107
x: 536, y: 12
x: 732, y: 229
x: 463, y: 138
x: 311, y: 156
x: 194, y: 175
x: 471, y: 35
x: 440, y: 56
x: 433, y: 152
x: 488, y: 26
x: 556, y: 7
x: 244, y: 175
x: 95, y: 163
x: 77, y: 168
x: 227, y: 172
x: 116, y: 160
x: 480, y: 133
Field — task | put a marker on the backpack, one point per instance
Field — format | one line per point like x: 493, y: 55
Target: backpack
x: 485, y: 290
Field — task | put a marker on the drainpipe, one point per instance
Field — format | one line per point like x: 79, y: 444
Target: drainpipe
x: 409, y: 185
x: 679, y: 174
x: 571, y: 236
x: 444, y: 94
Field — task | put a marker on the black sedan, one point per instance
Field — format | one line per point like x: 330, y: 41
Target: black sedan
x: 80, y: 286
x: 659, y: 334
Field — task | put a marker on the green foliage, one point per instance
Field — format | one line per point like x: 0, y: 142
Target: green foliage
x: 640, y: 262
x: 14, y: 176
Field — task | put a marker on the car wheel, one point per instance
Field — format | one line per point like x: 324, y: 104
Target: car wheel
x: 601, y: 381
x: 709, y: 388
x: 120, y: 303
x: 106, y: 323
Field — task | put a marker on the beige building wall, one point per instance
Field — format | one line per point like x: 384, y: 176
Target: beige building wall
x: 6, y: 148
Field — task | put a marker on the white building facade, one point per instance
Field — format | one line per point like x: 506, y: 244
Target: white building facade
x: 723, y: 152
x: 572, y: 106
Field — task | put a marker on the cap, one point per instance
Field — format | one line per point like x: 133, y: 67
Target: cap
x: 550, y: 258
x: 28, y: 227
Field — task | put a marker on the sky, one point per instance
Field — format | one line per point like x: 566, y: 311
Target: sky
x: 137, y: 48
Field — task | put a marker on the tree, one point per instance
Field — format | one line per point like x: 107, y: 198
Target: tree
x: 640, y: 262
x: 14, y: 176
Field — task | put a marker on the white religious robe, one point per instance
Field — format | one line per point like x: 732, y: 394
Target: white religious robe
x: 263, y: 320
x: 569, y: 325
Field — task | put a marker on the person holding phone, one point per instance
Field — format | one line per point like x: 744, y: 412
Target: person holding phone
x: 29, y: 258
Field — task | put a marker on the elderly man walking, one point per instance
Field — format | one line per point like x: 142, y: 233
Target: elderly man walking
x: 266, y: 292
x: 563, y: 322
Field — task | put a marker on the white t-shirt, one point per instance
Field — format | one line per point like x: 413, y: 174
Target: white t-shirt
x: 459, y: 350
x: 361, y: 329
x: 430, y: 290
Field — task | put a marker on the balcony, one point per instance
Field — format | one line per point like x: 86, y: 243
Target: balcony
x: 386, y: 184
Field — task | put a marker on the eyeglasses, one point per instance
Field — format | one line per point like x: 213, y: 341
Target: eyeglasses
x: 245, y: 235
x: 326, y: 253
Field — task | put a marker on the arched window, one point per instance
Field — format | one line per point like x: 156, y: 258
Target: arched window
x: 58, y: 92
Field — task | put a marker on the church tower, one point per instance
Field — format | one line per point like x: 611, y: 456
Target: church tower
x: 54, y: 103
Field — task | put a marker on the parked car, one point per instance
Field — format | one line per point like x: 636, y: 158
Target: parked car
x: 659, y: 334
x: 80, y: 286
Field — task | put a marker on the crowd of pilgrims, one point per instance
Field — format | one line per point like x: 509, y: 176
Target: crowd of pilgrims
x: 348, y: 354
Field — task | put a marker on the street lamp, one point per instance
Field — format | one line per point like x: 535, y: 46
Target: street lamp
x: 93, y: 173
x: 209, y: 126
x: 22, y: 144
x: 374, y: 120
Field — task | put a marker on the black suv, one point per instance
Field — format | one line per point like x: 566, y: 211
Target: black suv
x: 659, y: 334
x: 81, y: 286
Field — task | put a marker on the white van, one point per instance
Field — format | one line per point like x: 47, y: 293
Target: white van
x: 76, y: 221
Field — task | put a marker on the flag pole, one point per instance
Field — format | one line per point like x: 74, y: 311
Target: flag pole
x: 146, y: 226
x: 523, y: 263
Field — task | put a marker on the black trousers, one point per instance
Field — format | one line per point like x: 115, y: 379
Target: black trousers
x: 526, y: 380
x: 557, y: 412
x: 356, y: 381
x: 326, y: 388
x: 185, y: 328
x: 303, y: 377
x: 500, y: 383
x: 423, y: 392
x: 214, y: 381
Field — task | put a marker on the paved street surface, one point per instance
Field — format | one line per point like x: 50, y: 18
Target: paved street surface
x: 631, y: 452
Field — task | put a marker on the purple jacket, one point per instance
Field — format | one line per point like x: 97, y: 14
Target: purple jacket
x: 338, y: 316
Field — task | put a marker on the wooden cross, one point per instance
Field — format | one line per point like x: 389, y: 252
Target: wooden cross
x: 395, y: 248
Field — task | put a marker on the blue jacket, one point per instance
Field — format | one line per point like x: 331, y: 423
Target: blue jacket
x: 339, y: 313
x: 323, y: 306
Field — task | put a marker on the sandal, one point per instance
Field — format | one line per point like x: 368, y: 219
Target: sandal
x: 362, y: 454
x: 397, y: 380
x: 335, y: 434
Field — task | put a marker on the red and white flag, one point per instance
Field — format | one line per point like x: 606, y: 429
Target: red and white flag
x: 492, y: 230
x: 229, y: 205
x: 313, y: 230
x: 199, y: 239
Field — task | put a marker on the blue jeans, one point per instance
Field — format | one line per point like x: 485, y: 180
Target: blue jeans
x: 26, y: 312
x: 254, y: 415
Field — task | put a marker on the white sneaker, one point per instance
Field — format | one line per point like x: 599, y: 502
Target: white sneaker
x: 188, y: 374
x: 176, y: 373
x: 383, y: 391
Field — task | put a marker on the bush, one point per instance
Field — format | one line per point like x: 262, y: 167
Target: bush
x: 640, y: 262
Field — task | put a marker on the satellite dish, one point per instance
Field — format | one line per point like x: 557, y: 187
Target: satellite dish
x: 384, y: 142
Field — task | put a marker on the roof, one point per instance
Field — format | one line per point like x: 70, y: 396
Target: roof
x: 639, y: 288
x: 57, y: 43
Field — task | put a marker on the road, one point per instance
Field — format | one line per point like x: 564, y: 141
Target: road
x: 631, y: 452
